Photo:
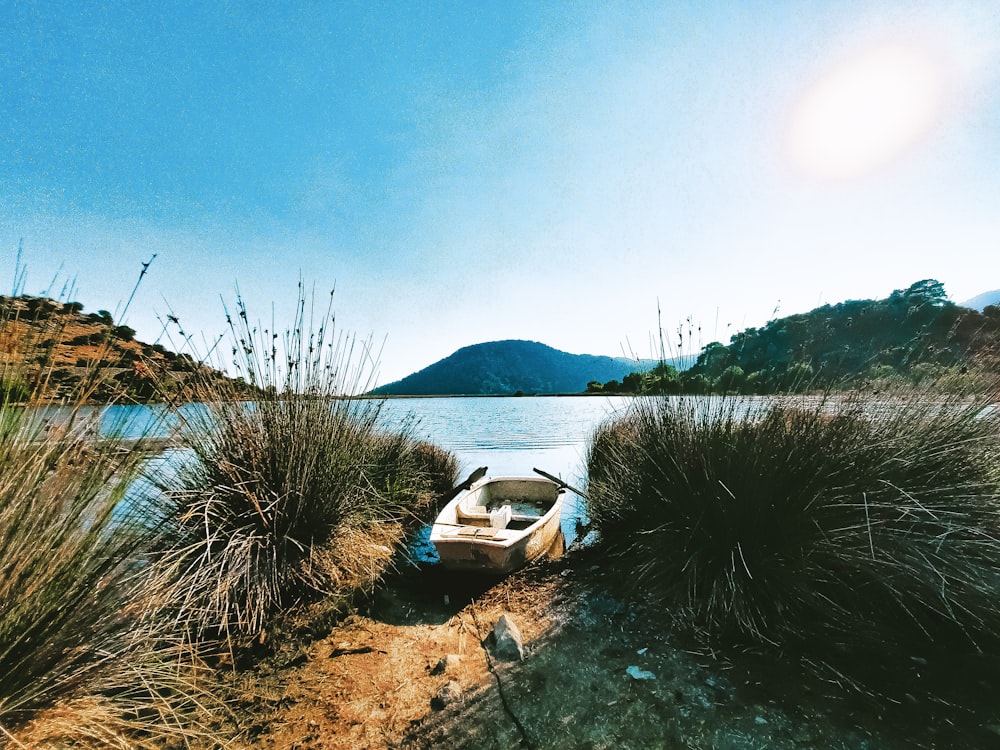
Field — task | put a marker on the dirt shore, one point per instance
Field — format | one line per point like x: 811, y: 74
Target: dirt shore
x: 412, y: 668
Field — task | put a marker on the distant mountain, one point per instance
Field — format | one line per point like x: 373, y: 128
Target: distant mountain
x: 982, y: 301
x: 507, y: 367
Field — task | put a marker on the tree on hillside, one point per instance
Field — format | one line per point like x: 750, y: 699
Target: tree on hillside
x: 836, y: 345
x: 124, y: 333
x: 926, y: 292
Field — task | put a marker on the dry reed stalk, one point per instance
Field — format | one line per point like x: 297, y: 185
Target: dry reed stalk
x: 73, y: 532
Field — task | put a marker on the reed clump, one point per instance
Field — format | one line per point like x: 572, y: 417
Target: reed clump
x: 66, y: 547
x: 289, y: 487
x: 74, y: 530
x: 832, y: 524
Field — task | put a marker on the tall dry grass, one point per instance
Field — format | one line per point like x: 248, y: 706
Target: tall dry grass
x: 64, y: 555
x: 73, y: 534
x: 836, y: 523
x: 291, y: 488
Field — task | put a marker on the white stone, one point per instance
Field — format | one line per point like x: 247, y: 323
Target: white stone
x: 507, y: 641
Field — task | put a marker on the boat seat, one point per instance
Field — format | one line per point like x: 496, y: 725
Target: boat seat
x: 476, y: 512
x: 525, y: 518
x: 497, y: 518
x: 478, y: 532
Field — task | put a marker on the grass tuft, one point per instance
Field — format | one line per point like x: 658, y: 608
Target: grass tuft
x: 65, y: 549
x: 835, y: 522
x: 289, y: 487
x: 73, y: 533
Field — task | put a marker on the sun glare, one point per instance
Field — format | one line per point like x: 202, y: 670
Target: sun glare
x: 866, y: 112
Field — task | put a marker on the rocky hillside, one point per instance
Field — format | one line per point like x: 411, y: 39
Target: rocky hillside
x: 54, y: 350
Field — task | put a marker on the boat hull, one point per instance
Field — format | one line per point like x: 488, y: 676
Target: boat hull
x: 476, y: 532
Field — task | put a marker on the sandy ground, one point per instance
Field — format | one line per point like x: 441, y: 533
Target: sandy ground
x: 374, y: 680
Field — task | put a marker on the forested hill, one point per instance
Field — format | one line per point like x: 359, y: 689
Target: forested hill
x: 509, y: 367
x: 913, y: 333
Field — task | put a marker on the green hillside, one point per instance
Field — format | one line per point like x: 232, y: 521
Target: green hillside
x: 509, y: 367
x: 913, y: 334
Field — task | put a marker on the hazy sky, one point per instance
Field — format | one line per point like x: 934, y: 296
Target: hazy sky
x: 467, y: 172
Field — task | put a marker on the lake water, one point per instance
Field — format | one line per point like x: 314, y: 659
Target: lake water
x: 511, y: 436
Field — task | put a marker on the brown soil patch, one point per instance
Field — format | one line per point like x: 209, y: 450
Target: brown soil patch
x: 369, y: 682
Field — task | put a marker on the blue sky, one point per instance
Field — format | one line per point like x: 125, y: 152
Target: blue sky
x: 467, y: 172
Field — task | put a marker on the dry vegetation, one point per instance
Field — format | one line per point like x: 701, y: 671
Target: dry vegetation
x: 116, y: 589
x: 821, y: 575
x: 53, y: 351
x: 862, y: 533
x: 298, y: 495
x: 73, y: 534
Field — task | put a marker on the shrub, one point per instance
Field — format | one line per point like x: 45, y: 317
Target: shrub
x: 298, y: 494
x: 814, y: 522
x: 84, y: 339
x: 14, y: 390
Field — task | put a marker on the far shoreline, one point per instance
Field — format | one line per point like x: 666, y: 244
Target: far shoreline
x: 486, y: 395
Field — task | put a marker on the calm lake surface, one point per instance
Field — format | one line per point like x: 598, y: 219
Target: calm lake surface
x: 511, y: 436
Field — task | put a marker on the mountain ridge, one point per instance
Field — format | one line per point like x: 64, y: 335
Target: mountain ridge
x: 511, y: 366
x: 981, y: 301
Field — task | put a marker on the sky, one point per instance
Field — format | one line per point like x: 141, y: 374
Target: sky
x: 582, y: 174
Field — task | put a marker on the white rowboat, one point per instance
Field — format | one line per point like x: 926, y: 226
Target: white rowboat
x: 498, y: 524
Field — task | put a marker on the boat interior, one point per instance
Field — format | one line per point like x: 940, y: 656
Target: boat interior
x: 502, y: 517
x: 512, y: 505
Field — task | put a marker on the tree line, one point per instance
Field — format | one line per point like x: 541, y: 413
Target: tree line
x: 914, y: 334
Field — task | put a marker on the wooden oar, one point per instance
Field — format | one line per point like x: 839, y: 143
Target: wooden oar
x: 560, y: 482
x: 464, y: 486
